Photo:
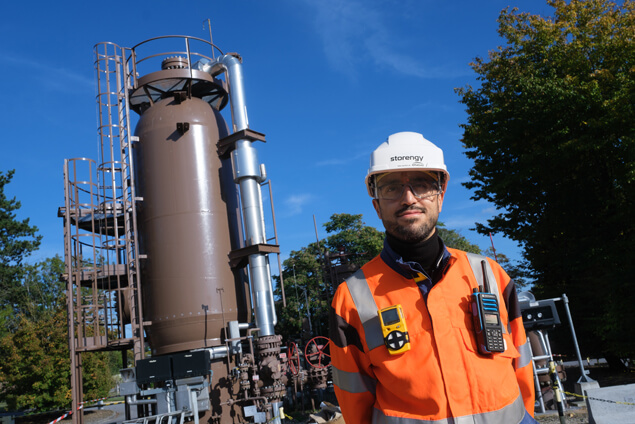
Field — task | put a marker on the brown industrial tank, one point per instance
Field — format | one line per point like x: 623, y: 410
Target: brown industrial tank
x: 189, y: 289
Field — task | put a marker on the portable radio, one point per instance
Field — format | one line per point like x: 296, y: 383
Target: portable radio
x: 486, y: 317
x: 393, y: 327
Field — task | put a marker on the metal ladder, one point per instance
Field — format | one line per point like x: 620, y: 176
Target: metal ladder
x: 543, y: 370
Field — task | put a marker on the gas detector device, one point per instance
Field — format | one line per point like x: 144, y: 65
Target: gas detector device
x: 486, y: 317
x: 393, y: 327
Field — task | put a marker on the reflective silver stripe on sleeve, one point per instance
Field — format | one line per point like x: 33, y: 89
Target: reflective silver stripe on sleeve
x: 353, y: 382
x: 366, y: 309
x: 525, y: 356
x: 477, y: 269
x: 511, y: 414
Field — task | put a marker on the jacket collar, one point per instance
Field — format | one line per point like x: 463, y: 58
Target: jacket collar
x: 411, y: 269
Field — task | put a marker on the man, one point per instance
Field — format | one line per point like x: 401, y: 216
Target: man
x: 405, y: 346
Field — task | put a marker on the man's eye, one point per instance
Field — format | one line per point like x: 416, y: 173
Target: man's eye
x: 391, y: 188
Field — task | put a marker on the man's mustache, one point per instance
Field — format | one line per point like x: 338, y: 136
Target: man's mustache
x: 410, y: 208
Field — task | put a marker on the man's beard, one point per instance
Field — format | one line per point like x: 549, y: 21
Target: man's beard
x: 412, y: 234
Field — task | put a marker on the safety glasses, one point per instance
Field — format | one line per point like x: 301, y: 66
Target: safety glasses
x: 420, y: 188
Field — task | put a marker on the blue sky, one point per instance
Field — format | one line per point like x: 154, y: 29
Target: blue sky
x: 326, y: 81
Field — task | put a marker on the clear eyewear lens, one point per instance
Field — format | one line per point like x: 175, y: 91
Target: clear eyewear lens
x: 395, y: 191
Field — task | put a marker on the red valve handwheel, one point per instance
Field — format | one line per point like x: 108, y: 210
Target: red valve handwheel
x: 317, y: 358
x: 294, y: 358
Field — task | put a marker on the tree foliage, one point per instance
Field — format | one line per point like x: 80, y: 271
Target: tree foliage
x: 35, y: 369
x: 307, y: 281
x: 453, y: 239
x: 34, y: 347
x: 43, y: 289
x: 35, y: 366
x: 516, y: 271
x: 551, y: 131
x: 18, y: 240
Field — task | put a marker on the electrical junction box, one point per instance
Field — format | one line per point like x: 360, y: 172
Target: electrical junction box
x: 191, y: 364
x: 155, y: 369
x: 539, y: 315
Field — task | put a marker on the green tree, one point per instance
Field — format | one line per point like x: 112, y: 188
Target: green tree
x: 349, y: 234
x: 18, y: 240
x: 35, y: 366
x: 551, y: 131
x: 35, y: 369
x: 516, y: 271
x: 43, y: 288
x: 307, y: 281
x: 453, y: 239
x: 303, y: 285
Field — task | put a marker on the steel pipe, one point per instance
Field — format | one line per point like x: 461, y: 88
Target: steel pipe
x: 248, y: 174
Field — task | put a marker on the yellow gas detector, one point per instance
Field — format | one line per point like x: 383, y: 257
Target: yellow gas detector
x: 393, y: 327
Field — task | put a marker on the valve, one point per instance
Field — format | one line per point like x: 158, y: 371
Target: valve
x: 317, y: 352
x: 294, y: 358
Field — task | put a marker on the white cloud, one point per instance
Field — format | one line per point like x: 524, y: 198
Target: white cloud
x: 50, y: 76
x: 458, y: 222
x: 294, y: 204
x: 331, y: 162
x: 355, y: 32
x: 347, y: 159
x: 489, y: 211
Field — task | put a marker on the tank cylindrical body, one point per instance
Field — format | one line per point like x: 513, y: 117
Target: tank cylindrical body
x: 189, y: 289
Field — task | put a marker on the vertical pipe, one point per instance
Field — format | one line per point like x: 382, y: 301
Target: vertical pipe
x: 248, y: 176
x: 275, y: 232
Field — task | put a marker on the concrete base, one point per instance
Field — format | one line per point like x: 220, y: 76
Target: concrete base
x: 603, y: 407
x: 582, y: 387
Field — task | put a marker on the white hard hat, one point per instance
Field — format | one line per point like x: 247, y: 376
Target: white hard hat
x: 406, y: 151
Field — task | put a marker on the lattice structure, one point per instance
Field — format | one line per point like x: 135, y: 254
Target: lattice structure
x: 99, y: 215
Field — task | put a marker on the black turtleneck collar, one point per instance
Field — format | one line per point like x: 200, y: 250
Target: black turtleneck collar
x: 426, y: 253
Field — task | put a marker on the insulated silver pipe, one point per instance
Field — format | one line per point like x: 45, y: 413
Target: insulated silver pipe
x: 132, y: 400
x: 248, y: 174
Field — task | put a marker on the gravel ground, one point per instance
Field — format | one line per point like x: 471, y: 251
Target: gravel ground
x: 571, y: 416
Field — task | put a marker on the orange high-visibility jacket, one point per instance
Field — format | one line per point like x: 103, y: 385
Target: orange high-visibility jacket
x: 442, y: 377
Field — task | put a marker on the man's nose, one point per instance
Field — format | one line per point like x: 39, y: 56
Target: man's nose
x: 408, y: 196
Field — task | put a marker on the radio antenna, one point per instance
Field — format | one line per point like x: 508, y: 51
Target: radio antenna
x: 485, y: 279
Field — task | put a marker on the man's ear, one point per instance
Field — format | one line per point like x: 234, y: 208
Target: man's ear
x: 440, y: 200
x: 377, y: 208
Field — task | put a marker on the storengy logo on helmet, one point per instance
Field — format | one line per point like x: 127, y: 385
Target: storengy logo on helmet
x: 403, y: 158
